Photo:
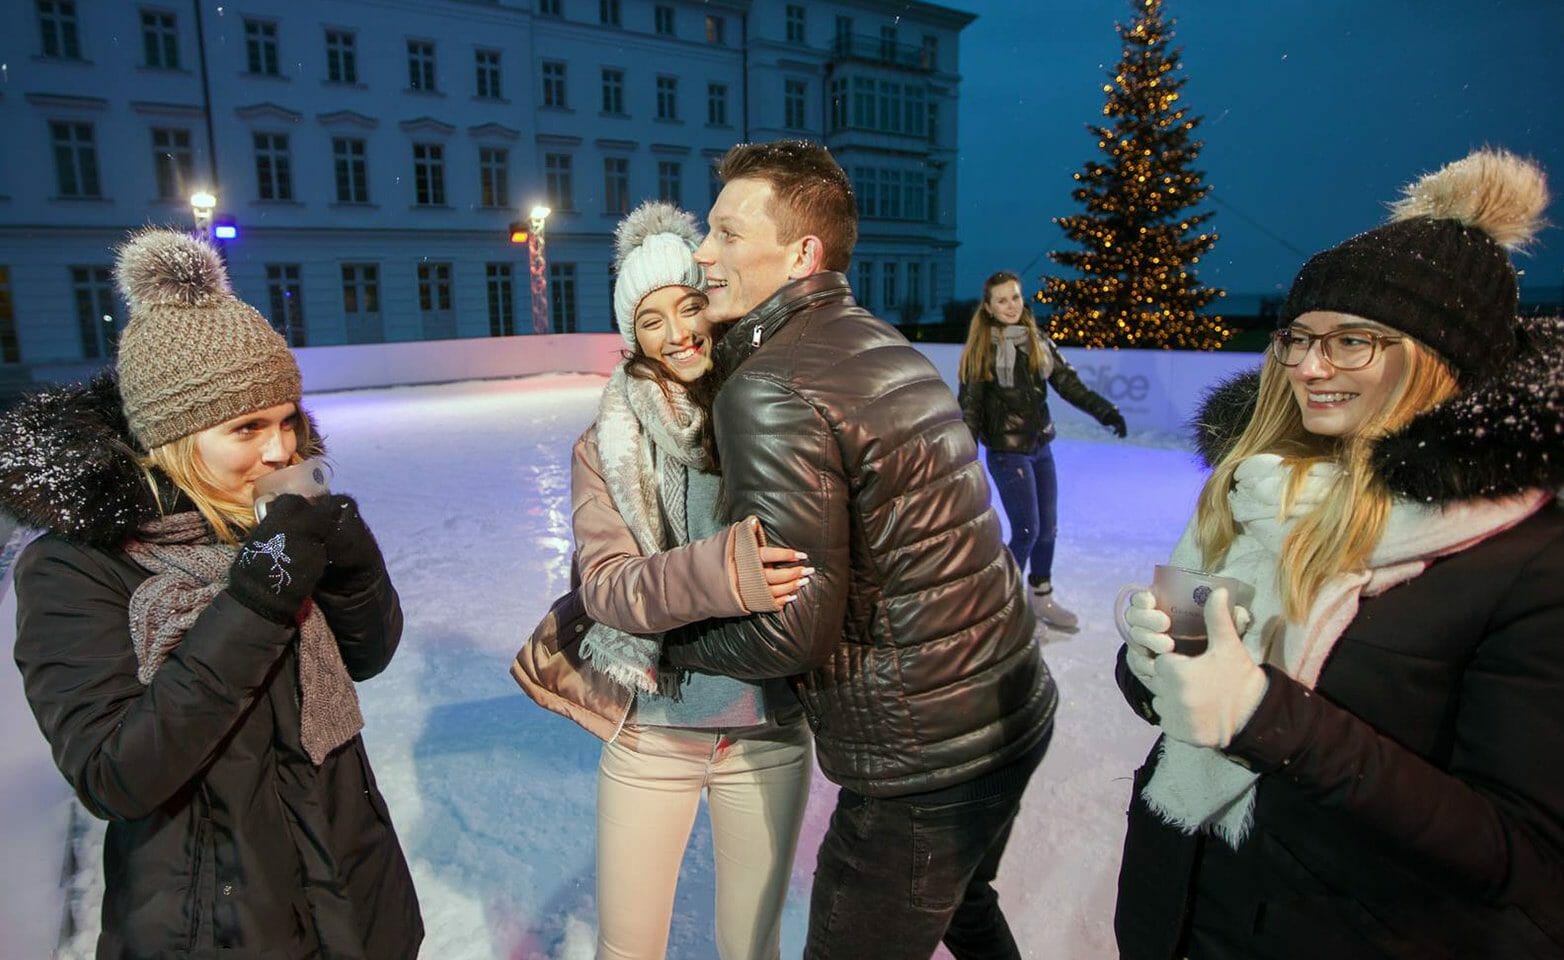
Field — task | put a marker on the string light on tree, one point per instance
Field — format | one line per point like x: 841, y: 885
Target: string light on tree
x: 1139, y: 238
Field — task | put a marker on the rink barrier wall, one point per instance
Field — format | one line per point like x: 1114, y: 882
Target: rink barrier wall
x: 1157, y: 390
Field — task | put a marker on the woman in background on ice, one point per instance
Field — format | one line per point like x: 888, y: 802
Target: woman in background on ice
x: 1005, y: 370
x: 193, y: 669
x: 1372, y: 768
x: 653, y: 555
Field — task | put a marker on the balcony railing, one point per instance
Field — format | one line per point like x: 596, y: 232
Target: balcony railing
x: 859, y: 46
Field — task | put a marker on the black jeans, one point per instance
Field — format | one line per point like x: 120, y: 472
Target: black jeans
x: 895, y: 878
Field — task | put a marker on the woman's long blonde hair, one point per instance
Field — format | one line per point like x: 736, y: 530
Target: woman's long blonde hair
x: 181, y: 463
x: 1343, y: 530
x: 977, y: 356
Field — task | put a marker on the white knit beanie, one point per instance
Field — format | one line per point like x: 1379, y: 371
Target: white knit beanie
x: 653, y: 248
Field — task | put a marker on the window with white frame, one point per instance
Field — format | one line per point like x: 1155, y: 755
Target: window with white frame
x: 864, y: 290
x: 663, y: 20
x: 273, y: 167
x: 351, y: 169
x: 667, y: 98
x: 92, y: 289
x: 716, y: 28
x: 499, y: 278
x: 562, y: 296
x: 795, y: 94
x: 434, y: 301
x: 795, y: 23
x: 429, y: 174
x: 173, y: 162
x: 608, y: 13
x: 285, y: 294
x: 616, y: 185
x: 260, y: 47
x: 613, y: 91
x: 159, y: 40
x: 486, y: 63
x: 75, y: 159
x: 420, y: 65
x: 557, y: 181
x: 58, y: 30
x: 716, y: 104
x: 361, y: 303
x: 554, y: 83
x: 670, y: 181
x: 341, y: 56
x: 494, y: 176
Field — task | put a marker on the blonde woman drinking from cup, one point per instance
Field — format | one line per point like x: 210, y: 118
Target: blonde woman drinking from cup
x: 1371, y: 768
x: 193, y: 669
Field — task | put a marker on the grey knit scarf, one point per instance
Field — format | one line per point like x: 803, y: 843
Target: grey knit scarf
x: 189, y: 568
x: 647, y: 441
x: 1006, y: 340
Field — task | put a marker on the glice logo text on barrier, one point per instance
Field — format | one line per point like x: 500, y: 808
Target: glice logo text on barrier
x: 1118, y: 387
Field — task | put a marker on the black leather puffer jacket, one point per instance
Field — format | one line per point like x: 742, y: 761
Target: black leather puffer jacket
x: 1015, y: 419
x: 912, y: 647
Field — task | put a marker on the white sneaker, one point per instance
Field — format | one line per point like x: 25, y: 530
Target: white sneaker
x: 1050, y: 612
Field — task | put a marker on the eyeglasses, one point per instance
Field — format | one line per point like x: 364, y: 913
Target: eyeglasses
x: 1342, y: 349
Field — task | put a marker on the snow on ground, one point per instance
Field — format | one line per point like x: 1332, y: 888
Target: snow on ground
x: 467, y: 488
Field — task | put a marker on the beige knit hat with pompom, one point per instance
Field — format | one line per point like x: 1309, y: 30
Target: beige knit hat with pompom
x: 193, y: 354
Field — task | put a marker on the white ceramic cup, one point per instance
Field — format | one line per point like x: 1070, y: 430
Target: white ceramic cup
x: 1182, y: 595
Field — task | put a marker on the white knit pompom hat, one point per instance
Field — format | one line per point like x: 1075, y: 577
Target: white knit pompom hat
x: 653, y: 248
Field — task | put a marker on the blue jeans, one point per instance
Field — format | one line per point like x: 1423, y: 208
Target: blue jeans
x: 1029, y: 489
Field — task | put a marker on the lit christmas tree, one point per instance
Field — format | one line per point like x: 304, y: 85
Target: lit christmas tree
x: 1140, y: 239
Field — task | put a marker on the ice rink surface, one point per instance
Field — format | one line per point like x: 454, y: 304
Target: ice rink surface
x: 467, y: 488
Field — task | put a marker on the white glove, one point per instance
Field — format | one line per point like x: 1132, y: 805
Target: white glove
x: 1148, y: 637
x: 1206, y: 699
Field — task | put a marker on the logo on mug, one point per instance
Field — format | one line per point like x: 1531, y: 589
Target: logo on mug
x: 1202, y: 594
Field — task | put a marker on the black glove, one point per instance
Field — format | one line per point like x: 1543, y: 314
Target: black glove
x: 279, y: 565
x: 353, y: 560
x: 1115, y: 421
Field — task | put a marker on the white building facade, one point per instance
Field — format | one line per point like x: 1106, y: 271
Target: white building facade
x: 372, y: 154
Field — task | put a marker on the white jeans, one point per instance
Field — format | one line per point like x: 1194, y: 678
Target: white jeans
x: 649, y: 785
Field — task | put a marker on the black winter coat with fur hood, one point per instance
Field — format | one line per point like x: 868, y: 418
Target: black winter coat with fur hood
x: 224, y: 840
x: 1412, y: 804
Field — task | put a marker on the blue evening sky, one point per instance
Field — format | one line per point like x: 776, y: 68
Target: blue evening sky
x: 1316, y: 111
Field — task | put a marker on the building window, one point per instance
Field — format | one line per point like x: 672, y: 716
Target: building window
x: 260, y: 47
x: 557, y: 181
x: 915, y: 289
x: 715, y: 28
x: 667, y: 98
x: 361, y: 302
x: 93, y: 289
x: 286, y: 296
x: 549, y: 8
x: 663, y: 16
x: 160, y: 39
x: 934, y: 210
x: 494, y: 176
x: 670, y: 181
x: 562, y: 296
x: 75, y: 159
x: 838, y: 105
x: 341, y: 57
x: 795, y: 23
x: 554, y: 83
x: 888, y: 284
x: 885, y: 106
x: 933, y: 300
x: 434, y: 301
x: 888, y: 43
x: 844, y: 34
x: 273, y: 167
x: 930, y: 59
x: 58, y: 29
x: 613, y: 91
x: 10, y: 347
x: 172, y: 161
x: 502, y: 299
x: 794, y: 95
x: 429, y: 174
x: 865, y: 288
x: 608, y: 13
x: 420, y: 65
x: 717, y: 104
x: 487, y: 65
x: 347, y: 157
x: 616, y: 185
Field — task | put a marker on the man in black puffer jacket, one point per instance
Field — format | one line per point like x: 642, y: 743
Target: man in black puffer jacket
x: 912, y: 646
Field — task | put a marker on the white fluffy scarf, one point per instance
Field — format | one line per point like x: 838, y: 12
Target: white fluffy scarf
x: 646, y: 441
x: 1198, y: 788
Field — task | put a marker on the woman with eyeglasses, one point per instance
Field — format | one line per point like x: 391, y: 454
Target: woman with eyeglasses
x: 1367, y: 763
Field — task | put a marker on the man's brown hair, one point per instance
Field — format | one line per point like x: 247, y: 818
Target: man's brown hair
x: 811, y: 195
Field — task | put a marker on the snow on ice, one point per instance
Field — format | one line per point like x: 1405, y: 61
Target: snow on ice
x: 467, y: 487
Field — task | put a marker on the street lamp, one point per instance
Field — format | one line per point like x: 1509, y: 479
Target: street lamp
x: 202, y: 204
x: 537, y: 263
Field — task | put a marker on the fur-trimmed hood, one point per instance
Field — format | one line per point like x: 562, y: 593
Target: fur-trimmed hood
x: 68, y: 464
x: 1502, y: 435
